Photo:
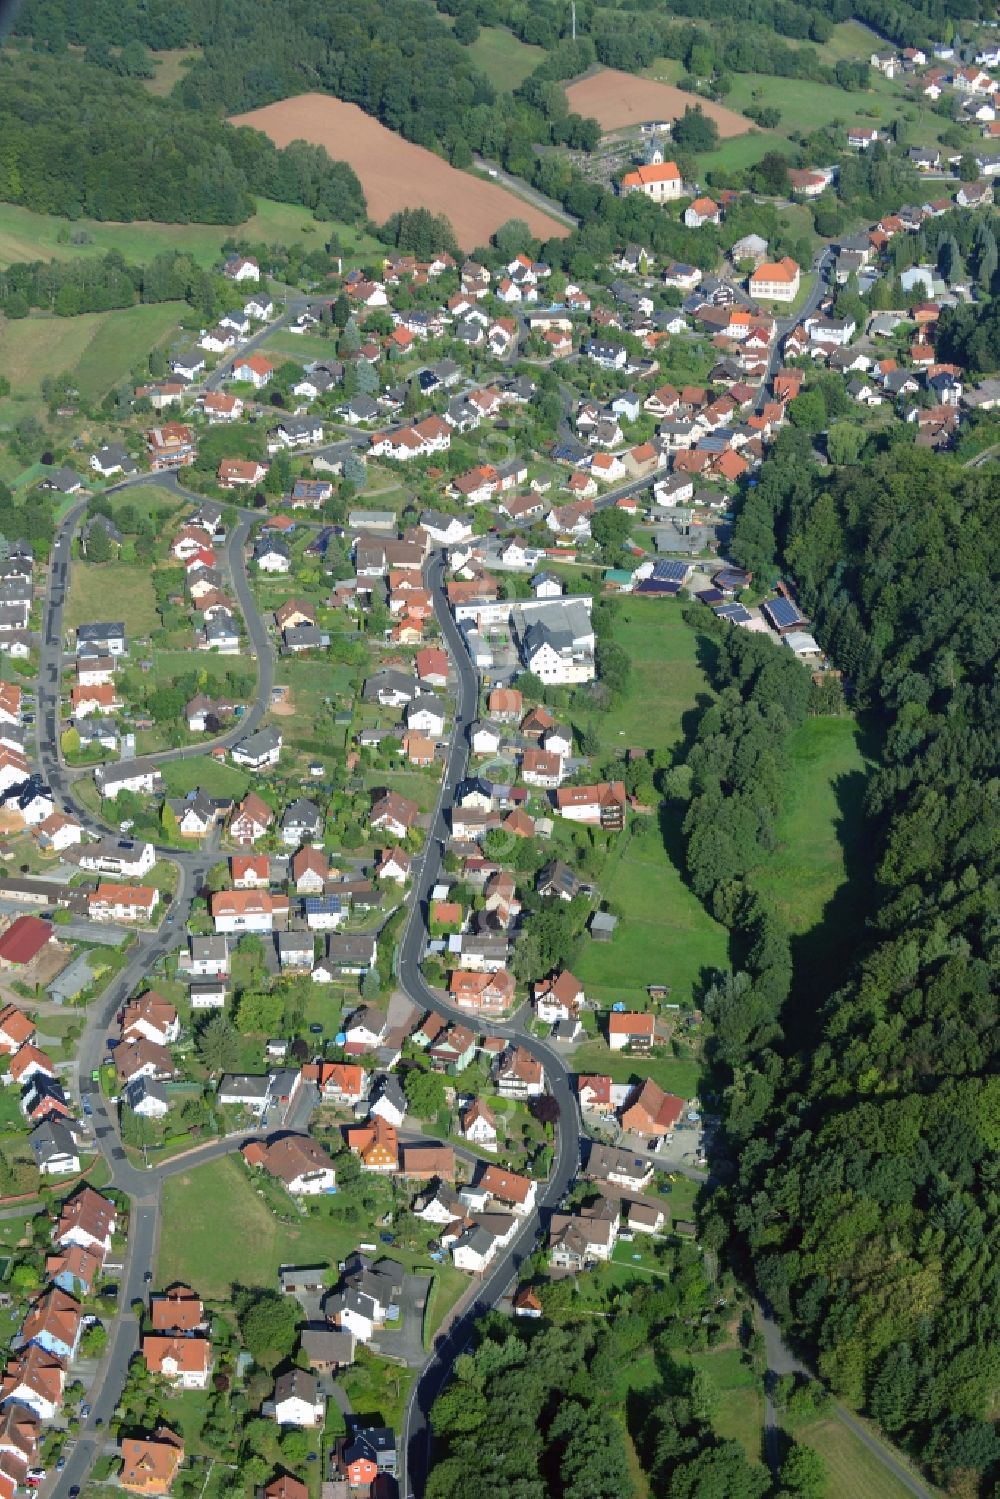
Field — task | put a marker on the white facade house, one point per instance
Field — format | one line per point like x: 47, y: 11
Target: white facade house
x: 297, y: 1400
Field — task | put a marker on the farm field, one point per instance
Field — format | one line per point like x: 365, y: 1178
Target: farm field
x: 26, y: 236
x: 395, y: 173
x: 99, y: 348
x: 504, y: 59
x: 617, y: 99
x: 112, y: 591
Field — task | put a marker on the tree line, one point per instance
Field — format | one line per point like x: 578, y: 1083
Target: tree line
x: 75, y: 145
x: 866, y: 1200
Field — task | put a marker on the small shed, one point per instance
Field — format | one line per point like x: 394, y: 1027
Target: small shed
x: 602, y: 926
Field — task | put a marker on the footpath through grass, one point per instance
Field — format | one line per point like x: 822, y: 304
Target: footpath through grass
x: 854, y: 1472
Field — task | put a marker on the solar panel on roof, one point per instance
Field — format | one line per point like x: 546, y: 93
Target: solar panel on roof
x: 783, y: 614
x: 734, y: 613
x: 731, y: 577
x: 710, y: 596
x: 670, y: 572
x: 658, y: 585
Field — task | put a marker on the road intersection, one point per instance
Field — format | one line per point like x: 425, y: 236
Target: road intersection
x: 143, y: 1187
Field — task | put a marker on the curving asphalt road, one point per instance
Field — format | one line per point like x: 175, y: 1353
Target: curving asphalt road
x: 416, y: 1434
x: 142, y: 1187
x: 59, y: 775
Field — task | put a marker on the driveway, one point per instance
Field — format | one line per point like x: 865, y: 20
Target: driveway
x: 407, y: 1342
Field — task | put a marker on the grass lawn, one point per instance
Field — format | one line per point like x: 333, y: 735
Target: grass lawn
x: 120, y: 340
x: 171, y: 664
x: 98, y: 347
x: 11, y: 1117
x: 743, y: 151
x: 214, y: 776
x: 299, y: 347
x: 27, y: 236
x: 667, y: 679
x: 377, y: 1388
x: 112, y: 590
x: 13, y: 1230
x: 666, y: 936
x: 807, y: 105
x: 665, y: 70
x: 145, y: 498
x: 818, y: 876
x: 193, y: 1249
x: 851, y: 40
x: 682, y: 1197
x: 415, y: 784
x: 504, y: 59
x: 854, y: 1472
x: 739, y: 1404
x: 678, y: 1075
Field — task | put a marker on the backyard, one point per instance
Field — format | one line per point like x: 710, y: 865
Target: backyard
x: 680, y: 1075
x: 194, y: 1250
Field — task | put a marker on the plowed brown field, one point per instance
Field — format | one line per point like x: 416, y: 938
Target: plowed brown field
x: 615, y: 99
x: 393, y: 172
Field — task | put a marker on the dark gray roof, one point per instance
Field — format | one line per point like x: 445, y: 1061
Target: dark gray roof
x: 261, y: 743
x: 301, y: 813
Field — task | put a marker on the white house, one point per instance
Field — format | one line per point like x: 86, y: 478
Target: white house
x: 479, y: 1125
x: 297, y: 1399
x: 485, y: 739
x: 425, y: 715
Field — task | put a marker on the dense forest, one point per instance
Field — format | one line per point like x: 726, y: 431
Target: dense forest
x: 542, y: 1410
x: 866, y: 1200
x: 75, y: 144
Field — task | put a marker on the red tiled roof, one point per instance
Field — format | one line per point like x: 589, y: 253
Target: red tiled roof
x: 24, y: 939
